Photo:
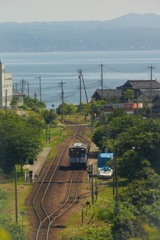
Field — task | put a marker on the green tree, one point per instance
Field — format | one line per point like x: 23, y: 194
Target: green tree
x: 144, y: 195
x: 97, y: 107
x: 49, y: 116
x: 99, y: 136
x: 84, y: 108
x: 128, y: 228
x: 19, y: 142
x: 144, y: 137
x: 33, y: 104
x: 122, y: 123
x: 110, y: 129
x: 66, y: 109
x: 118, y: 112
x: 129, y: 95
x: 132, y: 166
x: 14, y: 102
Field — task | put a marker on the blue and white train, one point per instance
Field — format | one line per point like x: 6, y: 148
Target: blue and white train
x: 103, y: 170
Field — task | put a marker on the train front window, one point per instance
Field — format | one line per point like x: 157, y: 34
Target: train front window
x: 71, y: 152
x: 77, y: 153
x: 83, y: 152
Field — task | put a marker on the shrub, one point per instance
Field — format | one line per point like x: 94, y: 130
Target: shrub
x: 128, y: 228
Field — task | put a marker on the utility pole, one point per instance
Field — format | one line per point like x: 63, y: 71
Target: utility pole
x: 40, y: 92
x: 82, y: 81
x: 62, y: 96
x: 151, y: 68
x: 84, y: 87
x: 92, y: 187
x: 16, y: 201
x: 80, y: 88
x: 22, y: 85
x: 40, y: 88
x: 92, y: 121
x: 116, y: 182
x: 101, y: 65
x: 35, y: 95
x: 106, y: 136
x: 28, y: 88
x: 16, y: 87
x: 6, y: 99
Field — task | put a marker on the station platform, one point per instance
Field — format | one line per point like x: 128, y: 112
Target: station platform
x: 33, y: 171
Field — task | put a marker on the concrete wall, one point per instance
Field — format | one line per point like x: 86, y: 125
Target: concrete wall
x: 5, y: 87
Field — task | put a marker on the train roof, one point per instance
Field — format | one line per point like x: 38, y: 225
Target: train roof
x: 105, y: 155
x: 78, y: 145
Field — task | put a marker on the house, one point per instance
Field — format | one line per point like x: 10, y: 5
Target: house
x: 112, y: 95
x: 140, y: 84
x: 148, y: 94
x: 145, y: 92
x: 5, y: 87
x: 148, y: 88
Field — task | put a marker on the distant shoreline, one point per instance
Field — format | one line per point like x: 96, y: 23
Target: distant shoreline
x: 132, y: 32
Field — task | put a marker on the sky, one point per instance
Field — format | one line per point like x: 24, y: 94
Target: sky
x: 73, y: 10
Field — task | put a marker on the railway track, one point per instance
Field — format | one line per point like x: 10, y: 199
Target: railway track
x: 47, y: 215
x: 71, y: 199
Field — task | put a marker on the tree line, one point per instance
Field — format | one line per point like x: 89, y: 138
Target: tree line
x: 135, y: 143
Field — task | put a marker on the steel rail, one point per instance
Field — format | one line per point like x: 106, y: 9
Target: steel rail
x: 42, y: 199
x: 65, y: 207
x: 43, y: 180
x: 46, y: 216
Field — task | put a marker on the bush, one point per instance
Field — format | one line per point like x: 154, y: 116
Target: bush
x: 128, y: 228
x: 105, y: 214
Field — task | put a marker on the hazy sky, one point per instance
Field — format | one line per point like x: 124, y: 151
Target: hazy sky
x: 72, y: 10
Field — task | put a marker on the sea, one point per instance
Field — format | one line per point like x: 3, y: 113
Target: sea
x: 49, y: 75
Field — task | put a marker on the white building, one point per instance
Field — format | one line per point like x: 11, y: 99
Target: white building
x: 5, y: 87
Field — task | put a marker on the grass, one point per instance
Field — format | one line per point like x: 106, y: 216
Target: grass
x: 57, y: 135
x: 152, y: 231
x: 23, y: 190
x: 76, y: 228
x: 77, y: 118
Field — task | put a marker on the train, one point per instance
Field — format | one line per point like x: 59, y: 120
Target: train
x: 78, y: 155
x: 103, y: 170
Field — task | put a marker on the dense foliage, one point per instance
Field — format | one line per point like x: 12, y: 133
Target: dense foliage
x: 49, y: 116
x: 33, y: 104
x: 135, y: 142
x: 66, y: 109
x: 19, y: 140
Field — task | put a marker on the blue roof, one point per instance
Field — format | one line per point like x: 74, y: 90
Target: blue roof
x: 105, y: 155
x: 103, y: 158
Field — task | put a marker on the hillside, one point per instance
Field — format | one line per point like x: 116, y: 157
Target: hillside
x: 129, y: 32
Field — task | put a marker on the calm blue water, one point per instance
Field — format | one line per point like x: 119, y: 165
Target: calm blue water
x: 53, y: 68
